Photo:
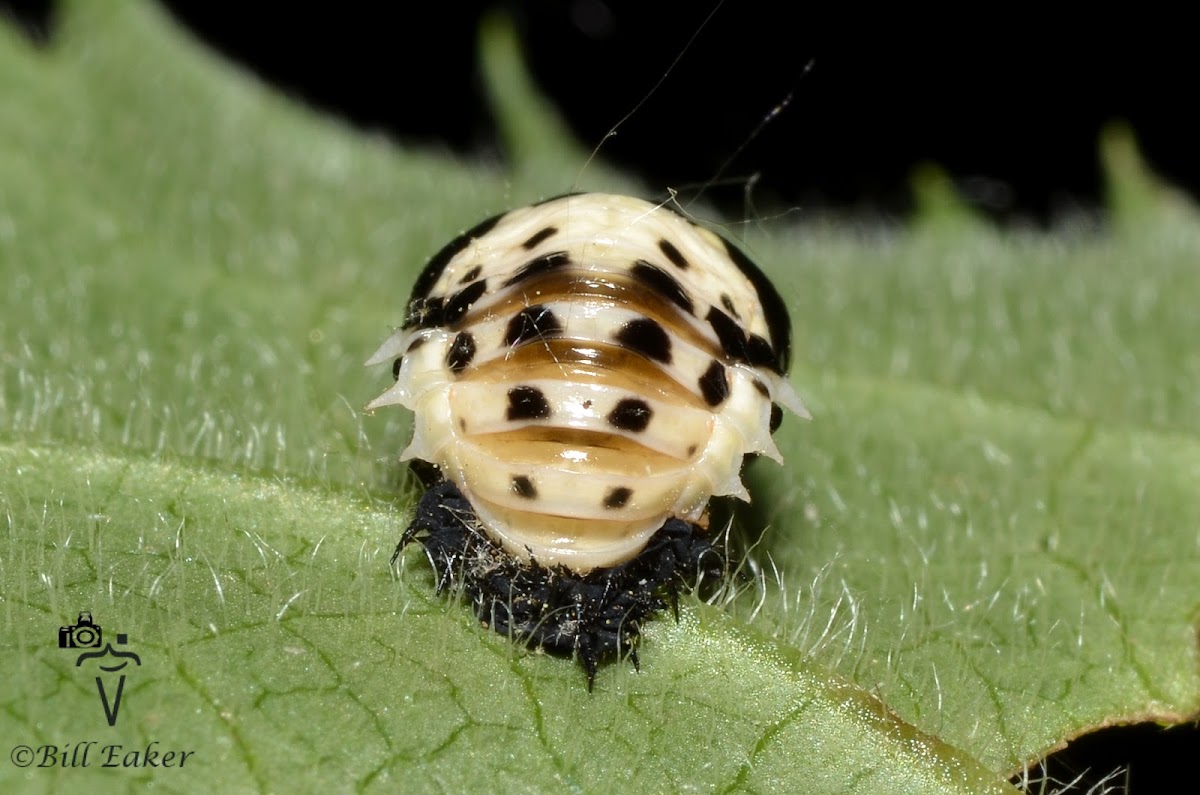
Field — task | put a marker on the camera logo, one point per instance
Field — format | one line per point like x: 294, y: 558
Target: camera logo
x: 83, y: 634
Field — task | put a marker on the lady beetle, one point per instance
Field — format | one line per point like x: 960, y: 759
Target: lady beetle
x: 584, y: 373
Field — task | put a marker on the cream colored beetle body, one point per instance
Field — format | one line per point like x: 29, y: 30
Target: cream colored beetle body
x: 587, y: 368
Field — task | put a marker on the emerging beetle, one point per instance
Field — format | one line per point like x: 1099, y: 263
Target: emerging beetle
x: 584, y: 374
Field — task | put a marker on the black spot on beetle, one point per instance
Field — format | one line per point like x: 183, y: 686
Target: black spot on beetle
x: 396, y: 368
x: 727, y: 302
x: 471, y: 275
x: 425, y: 312
x: 630, y: 414
x: 729, y: 334
x: 617, y: 497
x: 415, y: 344
x: 672, y: 253
x: 460, y: 303
x: 759, y: 352
x: 433, y: 269
x: 539, y: 237
x: 532, y: 322
x: 462, y: 351
x: 774, y: 310
x: 527, y: 403
x: 523, y: 487
x: 662, y: 283
x: 646, y: 337
x: 713, y: 384
x: 776, y: 417
x: 761, y: 388
x: 538, y: 266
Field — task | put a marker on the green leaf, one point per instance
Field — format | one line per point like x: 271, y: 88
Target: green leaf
x: 983, y: 545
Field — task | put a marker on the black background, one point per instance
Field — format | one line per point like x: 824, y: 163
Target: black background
x: 1010, y: 100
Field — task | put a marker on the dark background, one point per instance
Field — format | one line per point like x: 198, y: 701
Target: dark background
x: 1010, y: 100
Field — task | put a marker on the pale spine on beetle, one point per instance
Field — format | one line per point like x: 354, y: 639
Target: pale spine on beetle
x: 587, y: 369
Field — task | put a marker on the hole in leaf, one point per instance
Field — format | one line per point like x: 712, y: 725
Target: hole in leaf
x: 1120, y: 760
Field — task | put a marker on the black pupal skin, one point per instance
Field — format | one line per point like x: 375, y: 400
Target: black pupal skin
x: 595, y: 617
